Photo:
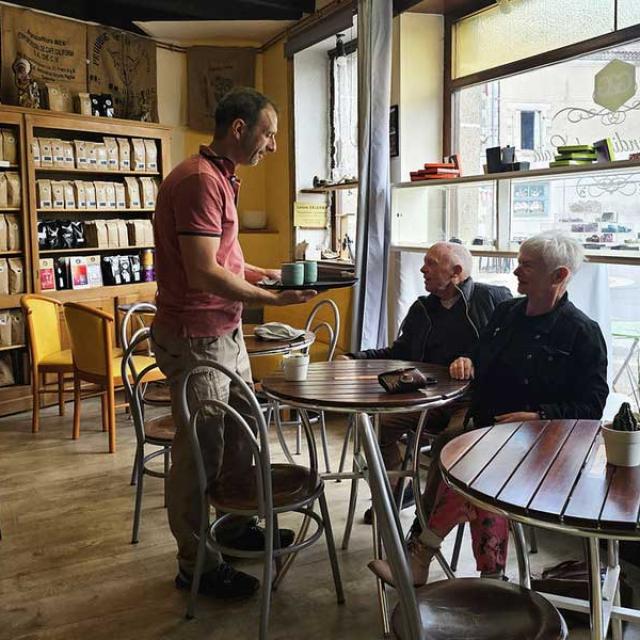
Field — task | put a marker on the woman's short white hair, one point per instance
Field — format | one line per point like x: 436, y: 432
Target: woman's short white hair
x: 556, y: 249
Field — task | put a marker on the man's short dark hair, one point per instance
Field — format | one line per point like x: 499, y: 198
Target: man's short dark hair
x: 242, y: 102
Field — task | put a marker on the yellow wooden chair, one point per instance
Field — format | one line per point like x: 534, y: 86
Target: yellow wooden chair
x: 91, y: 335
x: 42, y: 317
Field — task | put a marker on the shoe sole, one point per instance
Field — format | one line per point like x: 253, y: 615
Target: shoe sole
x: 183, y: 586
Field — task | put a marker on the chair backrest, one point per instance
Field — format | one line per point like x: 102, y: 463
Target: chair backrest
x: 259, y: 444
x: 390, y: 529
x: 137, y: 312
x: 91, y: 342
x: 134, y: 381
x: 332, y: 330
x: 42, y: 316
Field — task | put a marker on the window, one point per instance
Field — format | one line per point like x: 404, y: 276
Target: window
x: 527, y: 129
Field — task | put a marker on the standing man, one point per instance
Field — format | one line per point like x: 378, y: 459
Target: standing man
x: 203, y: 282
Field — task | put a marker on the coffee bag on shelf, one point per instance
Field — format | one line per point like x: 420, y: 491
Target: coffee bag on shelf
x: 124, y: 153
x: 111, y: 270
x: 123, y: 236
x: 136, y: 270
x: 4, y: 277
x: 57, y: 150
x: 139, y: 155
x: 136, y: 233
x: 35, y: 152
x: 148, y: 200
x: 121, y: 195
x: 95, y: 233
x: 101, y: 194
x: 94, y: 271
x: 43, y: 188
x: 90, y: 195
x: 47, y: 275
x: 110, y: 191
x: 148, y: 233
x: 133, y: 192
x: 113, y: 158
x: 79, y: 276
x: 150, y: 154
x: 9, y: 146
x: 14, y: 189
x: 80, y: 194
x: 69, y: 195
x: 5, y: 329
x: 3, y: 191
x: 46, y: 152
x: 14, y: 237
x: 7, y: 377
x: 69, y: 158
x: 125, y: 270
x: 92, y: 154
x: 57, y: 194
x: 4, y: 235
x: 102, y: 157
x: 82, y: 154
x: 113, y: 234
x: 16, y: 275
x: 17, y: 328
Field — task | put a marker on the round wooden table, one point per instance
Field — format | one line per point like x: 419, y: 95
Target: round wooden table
x: 351, y: 386
x: 260, y: 347
x: 554, y: 474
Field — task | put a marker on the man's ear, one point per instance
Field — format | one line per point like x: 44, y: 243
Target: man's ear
x: 560, y: 275
x: 456, y: 276
x: 237, y: 128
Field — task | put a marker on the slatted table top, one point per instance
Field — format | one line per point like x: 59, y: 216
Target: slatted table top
x: 260, y: 347
x: 352, y: 385
x: 552, y: 471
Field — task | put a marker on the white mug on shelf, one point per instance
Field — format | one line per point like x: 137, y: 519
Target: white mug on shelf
x: 295, y: 366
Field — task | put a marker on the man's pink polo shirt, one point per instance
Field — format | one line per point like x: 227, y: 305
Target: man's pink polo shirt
x: 197, y: 198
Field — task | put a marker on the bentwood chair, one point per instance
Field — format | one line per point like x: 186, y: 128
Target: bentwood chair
x: 456, y: 608
x: 94, y: 361
x: 265, y: 490
x: 322, y: 349
x: 42, y: 316
x: 156, y: 433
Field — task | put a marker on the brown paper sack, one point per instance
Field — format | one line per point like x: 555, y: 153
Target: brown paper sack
x: 9, y: 146
x: 35, y: 152
x: 121, y: 195
x: 56, y: 48
x: 148, y: 233
x: 110, y: 192
x: 45, y: 200
x: 92, y: 154
x: 102, y: 157
x: 139, y: 155
x: 4, y: 277
x: 147, y: 192
x: 17, y: 328
x: 59, y: 98
x: 3, y: 190
x: 90, y: 195
x: 4, y: 234
x: 101, y: 194
x: 80, y: 193
x: 14, y: 190
x: 82, y: 157
x: 123, y: 236
x: 16, y: 275
x: 57, y: 149
x: 69, y: 158
x: 124, y: 153
x: 113, y: 235
x: 69, y: 195
x: 57, y: 194
x: 14, y: 239
x: 46, y: 152
x: 150, y: 154
x: 6, y: 370
x: 113, y: 158
x: 133, y: 192
x: 5, y: 329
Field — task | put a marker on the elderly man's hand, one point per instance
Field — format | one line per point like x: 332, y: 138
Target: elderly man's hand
x: 517, y: 416
x: 461, y: 369
x: 342, y: 357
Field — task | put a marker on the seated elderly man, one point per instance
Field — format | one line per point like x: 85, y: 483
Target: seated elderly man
x: 538, y: 358
x: 437, y: 329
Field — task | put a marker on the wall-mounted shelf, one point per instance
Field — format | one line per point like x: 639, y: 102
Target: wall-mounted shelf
x: 13, y: 347
x: 93, y: 211
x: 333, y: 187
x: 102, y: 172
x: 89, y: 250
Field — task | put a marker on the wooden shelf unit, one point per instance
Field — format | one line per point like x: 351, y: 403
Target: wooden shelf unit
x: 331, y: 187
x: 89, y: 250
x: 28, y: 124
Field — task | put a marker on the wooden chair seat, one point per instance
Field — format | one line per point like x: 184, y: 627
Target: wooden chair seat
x: 477, y: 609
x: 291, y: 484
x: 157, y: 393
x: 58, y: 359
x: 161, y: 429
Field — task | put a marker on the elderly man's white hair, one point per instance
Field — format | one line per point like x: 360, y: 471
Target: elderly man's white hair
x: 556, y: 249
x: 460, y: 255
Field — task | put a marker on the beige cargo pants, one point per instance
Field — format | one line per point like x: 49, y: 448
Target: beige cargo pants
x: 224, y: 446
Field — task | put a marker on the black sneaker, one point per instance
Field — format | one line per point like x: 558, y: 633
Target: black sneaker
x: 252, y: 539
x: 223, y: 582
x: 407, y: 501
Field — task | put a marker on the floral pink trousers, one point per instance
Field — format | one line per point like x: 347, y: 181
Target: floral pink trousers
x: 489, y: 531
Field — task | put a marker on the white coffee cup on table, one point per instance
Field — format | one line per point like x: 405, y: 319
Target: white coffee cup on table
x: 295, y: 366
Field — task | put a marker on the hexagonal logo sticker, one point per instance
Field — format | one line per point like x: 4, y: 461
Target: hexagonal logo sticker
x: 615, y: 84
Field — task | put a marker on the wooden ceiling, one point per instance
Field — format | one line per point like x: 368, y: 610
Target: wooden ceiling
x: 447, y: 7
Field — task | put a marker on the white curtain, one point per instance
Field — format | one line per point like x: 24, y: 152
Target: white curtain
x: 374, y: 207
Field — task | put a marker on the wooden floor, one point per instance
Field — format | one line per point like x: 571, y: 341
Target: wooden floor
x: 69, y: 572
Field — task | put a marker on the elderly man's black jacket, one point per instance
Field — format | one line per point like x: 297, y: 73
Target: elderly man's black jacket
x: 566, y: 369
x: 480, y: 299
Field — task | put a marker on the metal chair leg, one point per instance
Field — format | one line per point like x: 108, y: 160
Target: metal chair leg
x: 353, y: 497
x: 267, y: 576
x: 457, y: 545
x: 331, y: 548
x: 298, y: 422
x: 197, y: 574
x: 533, y: 539
x: 138, y: 506
x: 345, y: 446
x: 325, y: 445
x: 278, y: 422
x: 134, y: 470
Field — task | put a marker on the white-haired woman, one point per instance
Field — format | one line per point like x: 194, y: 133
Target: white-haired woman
x: 538, y: 358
